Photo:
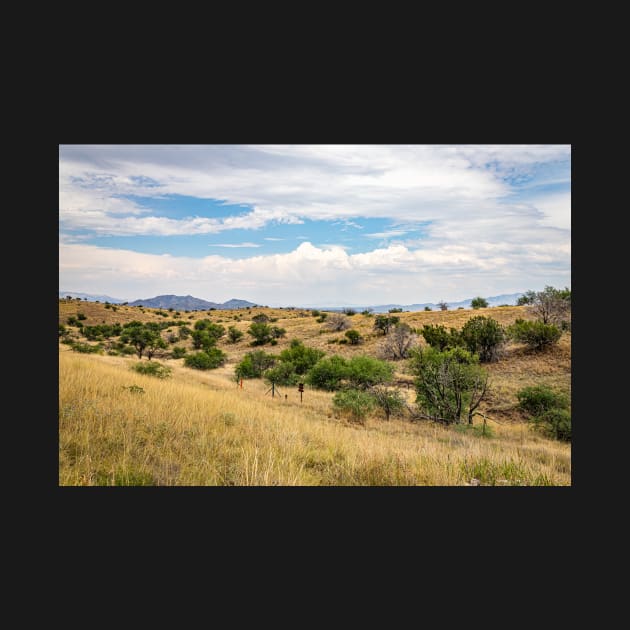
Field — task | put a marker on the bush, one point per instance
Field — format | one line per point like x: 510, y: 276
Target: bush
x: 86, y: 348
x: 328, y: 373
x: 348, y: 311
x: 548, y: 410
x: 71, y: 321
x: 363, y: 372
x: 152, y: 368
x: 81, y: 316
x: 383, y: 323
x: 537, y: 335
x: 538, y: 399
x: 322, y: 317
x: 261, y: 333
x: 172, y: 338
x: 62, y: 330
x: 355, y: 403
x: 479, y: 302
x: 178, y: 352
x: 302, y: 357
x: 207, y: 360
x: 367, y: 312
x: 443, y: 306
x: 440, y: 338
x: 395, y: 310
x: 315, y: 313
x: 282, y: 374
x: 261, y: 318
x: 234, y: 334
x: 389, y: 400
x: 336, y: 322
x: 484, y: 336
x: 354, y: 337
x: 448, y: 383
x: 428, y: 308
x: 254, y: 364
x: 277, y: 332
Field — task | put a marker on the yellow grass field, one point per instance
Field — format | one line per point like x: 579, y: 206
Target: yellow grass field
x: 199, y: 428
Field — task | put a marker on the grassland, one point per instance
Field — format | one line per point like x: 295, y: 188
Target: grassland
x: 199, y: 428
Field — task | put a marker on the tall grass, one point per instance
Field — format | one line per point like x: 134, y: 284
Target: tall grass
x: 198, y: 429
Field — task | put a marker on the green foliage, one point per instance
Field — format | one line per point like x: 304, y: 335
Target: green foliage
x: 395, y: 310
x: 484, y: 336
x: 71, y: 321
x: 354, y: 337
x: 428, y: 308
x: 448, y: 383
x: 202, y: 339
x: 184, y: 332
x: 551, y: 306
x: 261, y: 333
x: 389, y: 400
x: 277, y: 332
x: 81, y: 316
x: 538, y: 399
x: 261, y: 318
x: 328, y: 373
x: 143, y: 337
x: 363, y: 372
x: 548, y: 410
x: 86, y: 348
x: 282, y: 374
x: 152, y: 368
x: 322, y: 317
x: 349, y: 311
x: 207, y: 360
x: 254, y: 364
x: 102, y: 331
x: 357, y: 404
x: 62, y: 330
x: 383, y: 323
x: 479, y: 302
x: 438, y: 337
x: 315, y: 313
x: 302, y: 357
x: 537, y: 335
x: 234, y: 334
x: 178, y: 352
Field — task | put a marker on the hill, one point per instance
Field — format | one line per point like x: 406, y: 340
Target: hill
x: 199, y: 428
x: 189, y: 303
x: 91, y: 297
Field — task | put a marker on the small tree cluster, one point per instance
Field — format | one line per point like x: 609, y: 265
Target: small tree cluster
x: 536, y: 335
x: 207, y: 360
x: 479, y: 302
x: 551, y: 306
x: 361, y: 372
x: 253, y: 364
x: 484, y: 336
x: 384, y: 323
x: 548, y: 410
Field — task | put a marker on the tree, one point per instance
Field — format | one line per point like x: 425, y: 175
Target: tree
x: 384, y: 323
x: 234, y: 334
x: 142, y: 336
x: 202, y: 339
x: 395, y: 310
x: 551, y: 306
x: 355, y: 403
x: 302, y: 357
x: 261, y: 318
x: 261, y: 333
x: 398, y: 343
x: 207, y: 360
x: 363, y: 372
x: 389, y: 400
x: 479, y: 302
x: 537, y: 335
x: 254, y: 364
x: 443, y: 306
x: 337, y: 322
x: 349, y: 311
x: 154, y: 342
x: 428, y: 308
x: 448, y: 383
x: 484, y: 336
x: 354, y: 337
x: 548, y: 410
x: 282, y: 373
x: 438, y: 337
x: 328, y: 373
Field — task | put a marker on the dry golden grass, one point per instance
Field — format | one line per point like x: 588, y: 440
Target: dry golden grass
x: 198, y: 428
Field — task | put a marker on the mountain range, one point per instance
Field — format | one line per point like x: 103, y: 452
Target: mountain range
x: 190, y: 303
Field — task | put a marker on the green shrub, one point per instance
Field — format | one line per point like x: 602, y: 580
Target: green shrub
x: 178, y: 352
x: 62, y: 330
x: 254, y: 364
x: 152, y: 368
x: 538, y: 399
x: 354, y: 337
x: 315, y: 313
x: 207, y: 360
x: 355, y: 403
x: 302, y: 357
x: 440, y: 338
x: 384, y: 323
x: 395, y: 310
x: 81, y: 316
x: 71, y: 321
x: 363, y: 372
x: 428, y: 308
x: 484, y: 336
x: 389, y: 400
x: 86, y: 348
x: 349, y: 311
x: 328, y: 373
x: 557, y: 423
x: 261, y: 333
x: 479, y: 302
x: 127, y: 350
x: 282, y: 374
x: 536, y: 335
x: 234, y: 334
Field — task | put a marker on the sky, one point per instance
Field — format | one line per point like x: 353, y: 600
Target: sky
x: 308, y: 225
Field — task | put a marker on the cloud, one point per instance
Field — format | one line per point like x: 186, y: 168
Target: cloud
x: 272, y: 238
x: 388, y: 234
x: 321, y: 275
x: 234, y: 245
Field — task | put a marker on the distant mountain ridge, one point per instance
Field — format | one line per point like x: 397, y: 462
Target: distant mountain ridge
x: 189, y: 303
x: 90, y: 297
x: 495, y: 300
